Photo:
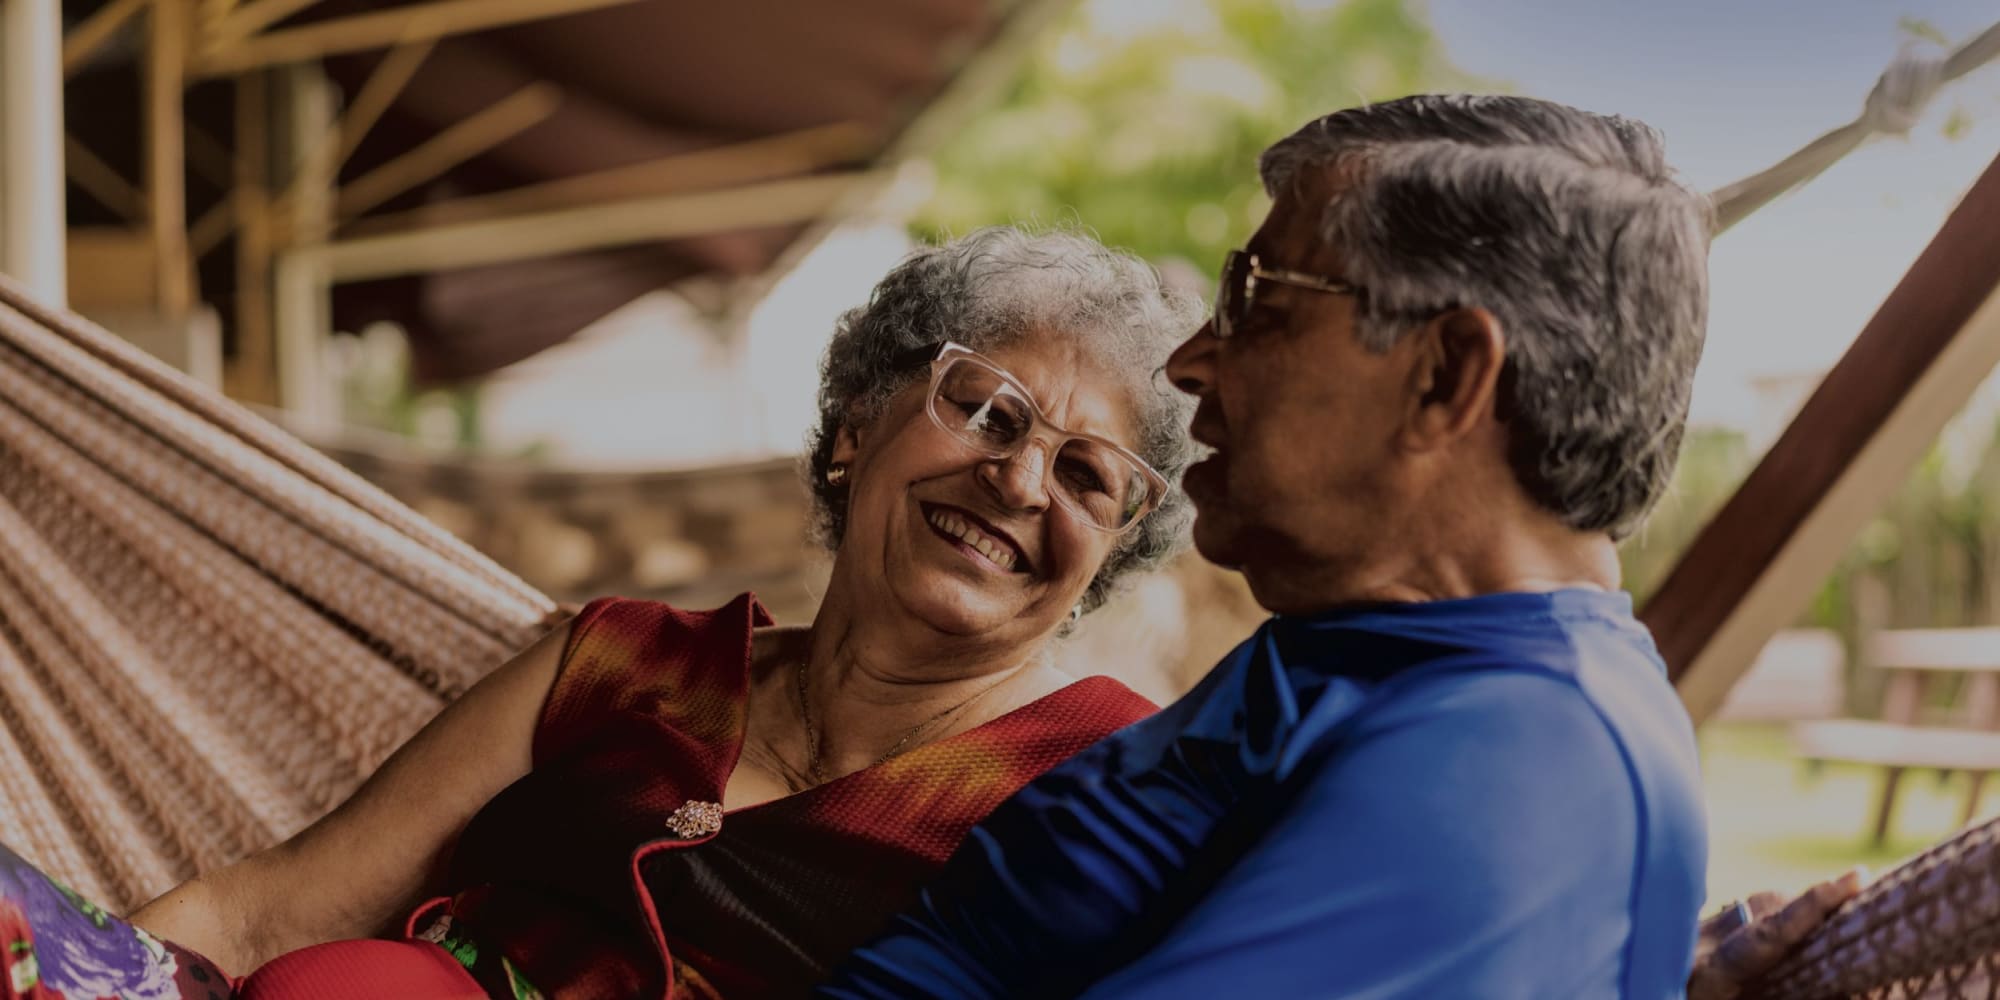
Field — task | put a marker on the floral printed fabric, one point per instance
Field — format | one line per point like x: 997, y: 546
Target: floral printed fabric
x: 56, y: 945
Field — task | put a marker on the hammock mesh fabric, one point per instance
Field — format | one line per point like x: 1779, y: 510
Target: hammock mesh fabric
x: 1929, y: 929
x: 210, y: 633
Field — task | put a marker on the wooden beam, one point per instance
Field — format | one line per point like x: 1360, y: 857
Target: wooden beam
x: 463, y: 140
x: 99, y: 180
x: 322, y: 164
x: 363, y: 32
x: 1755, y: 566
x: 621, y: 223
x: 210, y: 229
x: 211, y: 13
x: 384, y: 84
x: 209, y: 157
x: 246, y: 21
x: 85, y: 39
x: 166, y: 180
x: 791, y: 153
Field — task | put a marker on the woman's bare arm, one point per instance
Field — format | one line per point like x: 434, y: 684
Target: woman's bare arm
x: 362, y: 866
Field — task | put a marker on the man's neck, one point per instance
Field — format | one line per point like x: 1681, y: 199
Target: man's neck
x: 1531, y: 554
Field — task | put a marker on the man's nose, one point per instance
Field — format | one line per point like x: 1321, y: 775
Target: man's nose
x: 1191, y: 368
x: 1020, y: 481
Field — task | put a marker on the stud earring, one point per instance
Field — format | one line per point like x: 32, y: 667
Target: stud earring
x: 1075, y: 612
x: 836, y: 474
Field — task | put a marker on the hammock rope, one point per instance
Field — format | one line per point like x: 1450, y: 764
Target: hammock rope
x: 1894, y: 106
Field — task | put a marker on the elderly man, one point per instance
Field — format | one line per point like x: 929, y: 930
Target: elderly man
x: 1445, y: 376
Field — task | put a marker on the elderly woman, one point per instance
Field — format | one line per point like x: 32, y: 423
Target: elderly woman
x: 657, y: 802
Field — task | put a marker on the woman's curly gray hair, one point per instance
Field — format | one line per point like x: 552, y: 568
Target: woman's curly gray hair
x: 995, y: 286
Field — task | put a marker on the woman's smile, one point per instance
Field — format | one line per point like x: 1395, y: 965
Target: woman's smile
x: 974, y: 538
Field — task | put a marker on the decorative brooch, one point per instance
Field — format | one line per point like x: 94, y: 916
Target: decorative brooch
x: 695, y: 819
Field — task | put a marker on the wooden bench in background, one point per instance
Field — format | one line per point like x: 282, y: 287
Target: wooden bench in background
x: 1913, y: 731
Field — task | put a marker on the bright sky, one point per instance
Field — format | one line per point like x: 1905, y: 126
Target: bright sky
x: 1737, y: 85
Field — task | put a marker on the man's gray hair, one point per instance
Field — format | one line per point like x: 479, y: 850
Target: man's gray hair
x: 996, y: 286
x: 1570, y: 228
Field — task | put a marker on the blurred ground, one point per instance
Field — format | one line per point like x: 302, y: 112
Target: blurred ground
x: 1774, y: 823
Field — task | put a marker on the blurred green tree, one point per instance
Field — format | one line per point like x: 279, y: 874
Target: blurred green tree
x: 1143, y: 121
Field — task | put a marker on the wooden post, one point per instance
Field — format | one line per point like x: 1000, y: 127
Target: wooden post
x: 301, y: 289
x: 1885, y: 812
x: 31, y: 147
x: 1756, y: 564
x: 166, y: 158
x: 252, y: 374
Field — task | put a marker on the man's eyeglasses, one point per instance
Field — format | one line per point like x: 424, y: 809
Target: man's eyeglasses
x: 976, y: 401
x: 1240, y: 273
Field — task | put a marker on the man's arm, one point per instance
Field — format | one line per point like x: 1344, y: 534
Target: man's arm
x: 1478, y: 842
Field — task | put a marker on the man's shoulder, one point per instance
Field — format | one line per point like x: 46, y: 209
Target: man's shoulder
x: 1527, y: 766
x: 1594, y: 675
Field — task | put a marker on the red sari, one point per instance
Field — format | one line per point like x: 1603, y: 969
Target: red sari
x: 609, y: 871
x: 598, y: 875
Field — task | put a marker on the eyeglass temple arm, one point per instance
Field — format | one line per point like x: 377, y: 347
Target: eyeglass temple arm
x: 1302, y: 280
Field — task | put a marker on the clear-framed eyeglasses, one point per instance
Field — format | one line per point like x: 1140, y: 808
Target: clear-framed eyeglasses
x: 1101, y: 484
x: 1241, y: 271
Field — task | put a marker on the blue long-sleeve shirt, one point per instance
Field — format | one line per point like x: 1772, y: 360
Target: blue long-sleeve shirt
x: 1491, y: 797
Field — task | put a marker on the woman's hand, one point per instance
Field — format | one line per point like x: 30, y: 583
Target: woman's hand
x: 1745, y: 941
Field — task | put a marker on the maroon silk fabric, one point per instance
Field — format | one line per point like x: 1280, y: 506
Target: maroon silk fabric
x: 575, y: 875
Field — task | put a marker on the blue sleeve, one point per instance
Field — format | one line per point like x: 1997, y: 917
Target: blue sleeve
x: 1476, y: 838
x: 1072, y: 860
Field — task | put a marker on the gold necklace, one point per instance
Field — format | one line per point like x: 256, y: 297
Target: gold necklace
x: 814, y: 769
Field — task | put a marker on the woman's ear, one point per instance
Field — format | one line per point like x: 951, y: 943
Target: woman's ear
x: 846, y: 444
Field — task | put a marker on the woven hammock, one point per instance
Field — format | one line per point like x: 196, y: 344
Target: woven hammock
x: 209, y: 633
x: 1929, y: 929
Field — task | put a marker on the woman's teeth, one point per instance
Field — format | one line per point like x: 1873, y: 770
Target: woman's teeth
x: 996, y: 552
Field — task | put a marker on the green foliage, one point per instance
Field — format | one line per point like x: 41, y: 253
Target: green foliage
x: 1931, y: 558
x: 1713, y: 462
x: 1144, y: 121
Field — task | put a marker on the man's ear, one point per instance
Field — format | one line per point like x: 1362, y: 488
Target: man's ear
x: 1455, y: 377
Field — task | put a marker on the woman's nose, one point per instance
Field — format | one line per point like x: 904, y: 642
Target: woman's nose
x: 1191, y: 368
x: 1020, y: 481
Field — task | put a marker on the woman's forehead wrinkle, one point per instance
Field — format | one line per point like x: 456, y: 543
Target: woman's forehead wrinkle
x: 1092, y: 401
x: 1075, y: 389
